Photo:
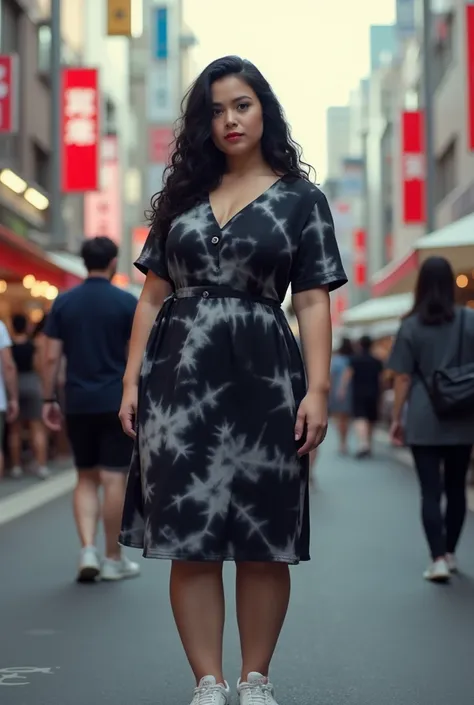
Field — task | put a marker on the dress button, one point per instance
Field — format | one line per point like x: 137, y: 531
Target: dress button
x: 205, y: 294
x: 215, y: 240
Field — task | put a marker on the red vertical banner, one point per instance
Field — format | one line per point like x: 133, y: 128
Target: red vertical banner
x: 80, y: 130
x: 470, y: 73
x: 9, y: 93
x: 102, y: 208
x: 360, y: 258
x: 413, y: 167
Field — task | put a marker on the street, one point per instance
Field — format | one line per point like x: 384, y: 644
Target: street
x: 363, y: 627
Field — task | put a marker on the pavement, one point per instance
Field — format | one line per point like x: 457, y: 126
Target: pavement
x: 363, y: 627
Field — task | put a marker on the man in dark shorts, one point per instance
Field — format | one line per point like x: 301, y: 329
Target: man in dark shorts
x: 365, y: 372
x: 91, y: 325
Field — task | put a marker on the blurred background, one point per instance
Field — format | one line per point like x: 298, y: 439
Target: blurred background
x: 379, y: 93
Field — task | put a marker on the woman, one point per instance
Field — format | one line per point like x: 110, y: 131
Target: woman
x: 340, y: 407
x: 224, y: 423
x: 26, y: 360
x: 428, y: 340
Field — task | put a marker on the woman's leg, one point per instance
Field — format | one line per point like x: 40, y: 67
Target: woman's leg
x: 263, y: 593
x: 342, y: 421
x: 456, y: 465
x: 39, y: 442
x: 197, y: 601
x: 428, y: 466
x: 14, y: 443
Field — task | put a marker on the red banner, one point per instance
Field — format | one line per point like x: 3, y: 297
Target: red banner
x: 470, y: 74
x: 9, y: 93
x: 80, y: 129
x: 360, y: 258
x: 413, y: 168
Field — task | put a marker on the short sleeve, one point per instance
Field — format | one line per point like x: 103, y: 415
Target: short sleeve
x: 153, y: 256
x: 5, y: 340
x: 401, y: 358
x: 52, y: 328
x: 318, y: 260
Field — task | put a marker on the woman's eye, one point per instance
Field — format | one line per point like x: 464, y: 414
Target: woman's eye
x: 216, y: 112
x: 244, y: 106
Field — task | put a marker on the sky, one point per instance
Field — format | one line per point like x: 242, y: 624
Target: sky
x: 313, y: 52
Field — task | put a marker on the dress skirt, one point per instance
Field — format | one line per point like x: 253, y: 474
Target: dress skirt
x: 215, y: 473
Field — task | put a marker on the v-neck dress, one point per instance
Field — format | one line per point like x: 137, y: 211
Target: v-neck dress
x: 215, y: 473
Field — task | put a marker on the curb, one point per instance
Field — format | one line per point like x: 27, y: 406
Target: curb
x: 403, y: 456
x: 34, y: 497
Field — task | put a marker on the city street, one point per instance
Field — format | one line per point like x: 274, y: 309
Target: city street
x: 363, y: 627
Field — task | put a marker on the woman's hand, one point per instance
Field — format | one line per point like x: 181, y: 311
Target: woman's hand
x: 396, y: 433
x: 313, y: 416
x: 128, y: 409
x: 52, y: 416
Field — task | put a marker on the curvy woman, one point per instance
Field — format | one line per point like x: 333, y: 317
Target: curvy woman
x: 429, y: 338
x: 25, y: 355
x: 224, y: 421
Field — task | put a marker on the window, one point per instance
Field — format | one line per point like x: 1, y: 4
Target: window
x: 41, y: 159
x: 443, y: 50
x: 10, y: 26
x: 446, y: 173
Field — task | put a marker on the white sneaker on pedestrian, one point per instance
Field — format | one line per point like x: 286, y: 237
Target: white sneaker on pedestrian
x: 16, y: 472
x: 89, y: 565
x: 208, y: 692
x: 119, y: 569
x: 43, y: 473
x: 256, y: 690
x: 438, y: 572
x: 452, y: 563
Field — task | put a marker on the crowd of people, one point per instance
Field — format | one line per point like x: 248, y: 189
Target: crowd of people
x: 194, y: 409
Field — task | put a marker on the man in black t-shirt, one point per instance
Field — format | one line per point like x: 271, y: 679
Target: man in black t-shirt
x: 365, y: 372
x: 91, y: 325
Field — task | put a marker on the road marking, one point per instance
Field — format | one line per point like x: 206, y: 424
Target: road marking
x: 11, y: 676
x: 36, y: 496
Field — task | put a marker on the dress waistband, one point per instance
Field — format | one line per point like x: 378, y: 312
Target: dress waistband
x: 222, y: 292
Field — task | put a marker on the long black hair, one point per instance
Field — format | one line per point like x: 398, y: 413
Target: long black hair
x: 434, y: 292
x: 197, y: 165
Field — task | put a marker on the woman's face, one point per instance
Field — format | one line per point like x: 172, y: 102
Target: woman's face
x: 237, y: 124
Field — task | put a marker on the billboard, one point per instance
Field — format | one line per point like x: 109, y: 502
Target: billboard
x: 102, y: 209
x: 413, y: 168
x: 9, y: 93
x: 119, y: 18
x: 80, y: 129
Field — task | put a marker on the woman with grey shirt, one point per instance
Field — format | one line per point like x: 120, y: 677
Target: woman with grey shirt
x: 428, y: 340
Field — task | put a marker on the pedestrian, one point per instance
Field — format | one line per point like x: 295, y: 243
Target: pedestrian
x: 27, y: 361
x: 91, y: 325
x: 433, y: 335
x: 8, y: 389
x: 225, y: 420
x: 364, y: 373
x: 340, y: 404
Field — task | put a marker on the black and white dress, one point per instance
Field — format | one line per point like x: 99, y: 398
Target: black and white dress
x: 215, y: 473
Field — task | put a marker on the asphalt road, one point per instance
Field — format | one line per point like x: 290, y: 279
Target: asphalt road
x: 363, y: 627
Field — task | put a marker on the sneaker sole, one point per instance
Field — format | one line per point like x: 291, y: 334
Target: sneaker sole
x: 126, y: 576
x: 88, y: 574
x: 437, y: 578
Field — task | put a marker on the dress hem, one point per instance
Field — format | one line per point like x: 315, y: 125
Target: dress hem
x: 162, y: 555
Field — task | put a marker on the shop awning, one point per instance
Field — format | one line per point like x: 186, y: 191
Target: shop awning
x: 19, y: 257
x: 380, y: 309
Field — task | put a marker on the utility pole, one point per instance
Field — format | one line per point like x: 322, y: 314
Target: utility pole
x: 56, y: 222
x: 430, y: 184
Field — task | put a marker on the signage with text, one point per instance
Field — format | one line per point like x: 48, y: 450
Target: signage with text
x: 9, y: 93
x: 413, y: 168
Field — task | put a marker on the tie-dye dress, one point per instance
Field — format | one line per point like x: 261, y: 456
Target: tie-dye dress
x: 215, y: 473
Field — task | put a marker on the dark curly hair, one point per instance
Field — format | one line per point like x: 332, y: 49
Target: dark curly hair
x: 197, y: 165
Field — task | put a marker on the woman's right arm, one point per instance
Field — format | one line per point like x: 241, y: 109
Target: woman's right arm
x: 155, y: 291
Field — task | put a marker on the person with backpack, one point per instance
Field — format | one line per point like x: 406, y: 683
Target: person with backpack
x: 433, y: 358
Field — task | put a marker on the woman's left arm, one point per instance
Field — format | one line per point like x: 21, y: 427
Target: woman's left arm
x: 312, y: 309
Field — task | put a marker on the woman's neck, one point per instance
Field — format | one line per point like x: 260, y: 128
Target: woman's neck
x: 252, y: 164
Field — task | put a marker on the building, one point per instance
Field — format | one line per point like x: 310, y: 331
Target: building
x: 337, y: 131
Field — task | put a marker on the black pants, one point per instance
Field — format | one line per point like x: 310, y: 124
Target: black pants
x: 442, y: 532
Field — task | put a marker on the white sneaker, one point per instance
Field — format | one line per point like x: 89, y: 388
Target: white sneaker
x: 452, y: 563
x: 43, y: 473
x: 89, y: 565
x: 256, y: 690
x: 438, y: 572
x: 119, y: 569
x: 16, y: 472
x: 209, y: 692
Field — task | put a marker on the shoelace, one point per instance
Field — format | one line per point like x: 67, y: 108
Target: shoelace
x: 259, y: 693
x: 206, y: 694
